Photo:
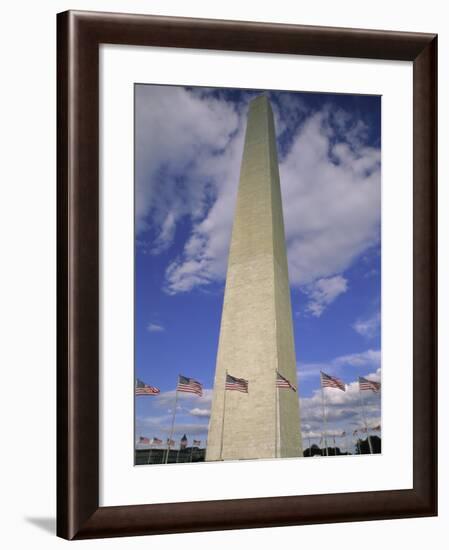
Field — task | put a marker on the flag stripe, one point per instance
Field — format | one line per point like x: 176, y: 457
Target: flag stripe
x: 189, y: 385
x: 328, y: 381
x: 282, y: 382
x: 365, y: 384
x: 236, y: 384
x: 145, y: 389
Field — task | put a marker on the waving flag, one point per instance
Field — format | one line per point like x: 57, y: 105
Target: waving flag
x: 144, y: 440
x: 236, y: 384
x: 156, y: 441
x: 189, y: 385
x: 144, y: 389
x: 282, y: 382
x: 365, y: 384
x: 328, y: 381
x: 196, y: 442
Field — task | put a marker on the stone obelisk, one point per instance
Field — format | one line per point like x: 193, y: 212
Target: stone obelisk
x: 256, y: 334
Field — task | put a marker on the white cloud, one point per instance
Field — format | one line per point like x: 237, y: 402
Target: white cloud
x: 147, y: 426
x: 366, y: 359
x: 343, y: 408
x: 167, y: 398
x: 367, y: 327
x: 189, y: 148
x: 154, y: 327
x: 200, y: 412
x: 331, y: 199
x: 178, y: 136
x: 323, y: 292
x: 205, y: 255
x: 191, y: 415
x: 363, y: 359
x: 310, y: 370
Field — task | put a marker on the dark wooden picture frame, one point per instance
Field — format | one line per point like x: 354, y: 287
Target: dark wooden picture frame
x: 79, y: 36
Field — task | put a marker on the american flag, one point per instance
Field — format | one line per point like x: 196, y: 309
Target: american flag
x: 170, y: 442
x: 328, y: 381
x: 144, y: 440
x: 156, y: 441
x: 365, y: 384
x: 236, y: 384
x: 282, y: 382
x: 144, y: 389
x: 189, y: 385
x: 196, y: 442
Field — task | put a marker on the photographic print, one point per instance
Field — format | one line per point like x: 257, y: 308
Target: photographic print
x: 257, y: 274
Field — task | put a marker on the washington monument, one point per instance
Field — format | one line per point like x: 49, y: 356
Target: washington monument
x: 256, y: 335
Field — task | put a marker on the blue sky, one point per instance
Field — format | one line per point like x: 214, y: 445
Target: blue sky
x: 189, y: 143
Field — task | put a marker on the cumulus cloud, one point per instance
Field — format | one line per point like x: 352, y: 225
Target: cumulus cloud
x: 156, y: 428
x: 362, y: 359
x: 205, y: 413
x: 369, y: 326
x: 189, y: 148
x: 365, y: 359
x: 167, y: 398
x: 154, y: 327
x: 178, y: 136
x: 331, y: 198
x: 323, y: 292
x: 343, y: 408
x: 192, y: 413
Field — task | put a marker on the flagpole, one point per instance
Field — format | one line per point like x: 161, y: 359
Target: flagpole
x: 347, y: 444
x: 172, y: 423
x: 324, y: 416
x: 364, y: 420
x: 357, y: 442
x: 223, y: 419
x: 149, y: 454
x: 335, y: 447
x: 276, y: 389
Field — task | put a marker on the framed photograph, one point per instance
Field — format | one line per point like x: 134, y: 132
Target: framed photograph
x: 246, y: 274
